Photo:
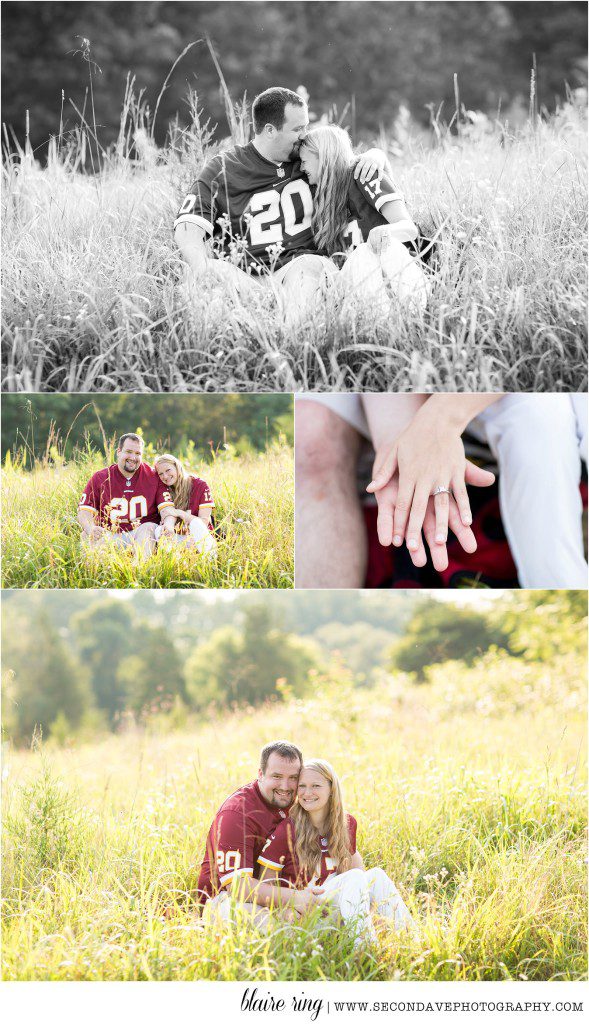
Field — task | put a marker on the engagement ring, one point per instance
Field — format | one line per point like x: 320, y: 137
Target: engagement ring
x: 442, y: 490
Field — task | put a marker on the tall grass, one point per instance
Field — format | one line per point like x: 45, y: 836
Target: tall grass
x: 95, y: 296
x: 254, y: 518
x: 478, y: 817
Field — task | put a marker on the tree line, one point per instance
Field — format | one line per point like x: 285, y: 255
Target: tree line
x: 61, y: 60
x: 40, y: 423
x: 101, y: 663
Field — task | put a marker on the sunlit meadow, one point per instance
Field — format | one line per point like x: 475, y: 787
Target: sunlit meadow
x: 468, y: 790
x: 254, y: 522
x: 95, y: 296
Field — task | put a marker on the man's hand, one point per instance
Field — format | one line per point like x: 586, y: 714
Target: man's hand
x: 386, y: 499
x: 372, y: 162
x: 95, y: 532
x: 306, y: 899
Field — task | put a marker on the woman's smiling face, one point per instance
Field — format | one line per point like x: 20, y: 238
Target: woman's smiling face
x: 313, y: 790
x: 167, y: 473
x: 309, y: 163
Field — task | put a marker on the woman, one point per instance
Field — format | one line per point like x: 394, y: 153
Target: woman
x: 193, y: 506
x: 369, y: 218
x: 316, y: 847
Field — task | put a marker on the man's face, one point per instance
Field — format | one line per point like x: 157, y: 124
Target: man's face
x: 129, y: 457
x: 287, y: 138
x: 278, y: 784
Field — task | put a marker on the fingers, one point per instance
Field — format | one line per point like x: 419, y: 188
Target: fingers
x: 384, y: 469
x: 478, y: 477
x: 418, y: 510
x: 441, y: 505
x: 402, y: 508
x: 365, y: 169
x: 385, y: 518
x: 419, y: 556
x: 438, y: 552
x: 461, y: 499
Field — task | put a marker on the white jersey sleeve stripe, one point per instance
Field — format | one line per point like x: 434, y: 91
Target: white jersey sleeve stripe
x: 194, y: 218
x: 270, y: 863
x: 390, y: 198
x: 223, y: 879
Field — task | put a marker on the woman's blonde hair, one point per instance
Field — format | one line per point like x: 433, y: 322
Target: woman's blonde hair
x: 330, y: 205
x: 181, y: 491
x: 307, y: 849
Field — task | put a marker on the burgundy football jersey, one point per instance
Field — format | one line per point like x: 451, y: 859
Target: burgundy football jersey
x: 365, y: 202
x: 200, y: 496
x: 260, y: 211
x: 236, y: 839
x: 279, y: 855
x: 123, y: 504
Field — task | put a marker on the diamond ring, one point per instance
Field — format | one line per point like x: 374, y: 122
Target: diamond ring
x: 442, y: 490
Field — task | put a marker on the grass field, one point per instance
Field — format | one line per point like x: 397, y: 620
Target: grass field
x: 254, y: 516
x: 468, y: 791
x: 95, y: 297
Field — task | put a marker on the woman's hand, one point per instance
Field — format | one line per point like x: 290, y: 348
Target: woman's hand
x: 306, y: 899
x: 380, y: 237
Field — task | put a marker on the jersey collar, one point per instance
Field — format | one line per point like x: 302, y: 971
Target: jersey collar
x: 273, y: 807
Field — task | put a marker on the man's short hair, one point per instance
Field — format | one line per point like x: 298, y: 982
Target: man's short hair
x: 283, y: 749
x: 268, y: 107
x: 129, y: 437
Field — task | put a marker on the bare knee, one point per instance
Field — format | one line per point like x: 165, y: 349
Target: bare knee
x: 325, y: 444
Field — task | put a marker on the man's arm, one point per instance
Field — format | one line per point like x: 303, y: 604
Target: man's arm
x: 190, y: 239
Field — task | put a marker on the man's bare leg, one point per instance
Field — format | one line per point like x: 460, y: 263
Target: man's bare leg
x: 330, y: 537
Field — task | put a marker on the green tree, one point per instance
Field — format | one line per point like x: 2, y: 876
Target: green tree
x: 440, y: 631
x: 43, y: 680
x: 105, y: 634
x: 248, y: 666
x: 543, y: 623
x: 154, y: 677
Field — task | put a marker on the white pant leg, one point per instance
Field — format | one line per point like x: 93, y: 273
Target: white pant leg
x: 534, y: 439
x: 368, y: 275
x: 386, y: 899
x: 348, y: 893
x: 404, y: 274
x: 362, y: 276
x: 200, y: 533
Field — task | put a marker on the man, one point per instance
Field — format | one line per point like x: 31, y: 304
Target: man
x: 238, y: 835
x: 123, y: 503
x: 537, y: 440
x: 257, y: 202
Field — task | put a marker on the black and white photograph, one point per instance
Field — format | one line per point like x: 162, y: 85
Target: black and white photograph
x: 294, y: 196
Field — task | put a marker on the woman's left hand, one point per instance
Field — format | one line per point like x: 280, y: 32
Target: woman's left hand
x: 372, y: 162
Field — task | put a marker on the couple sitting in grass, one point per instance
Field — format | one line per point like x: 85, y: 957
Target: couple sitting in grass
x: 284, y: 205
x: 133, y: 505
x: 284, y: 845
